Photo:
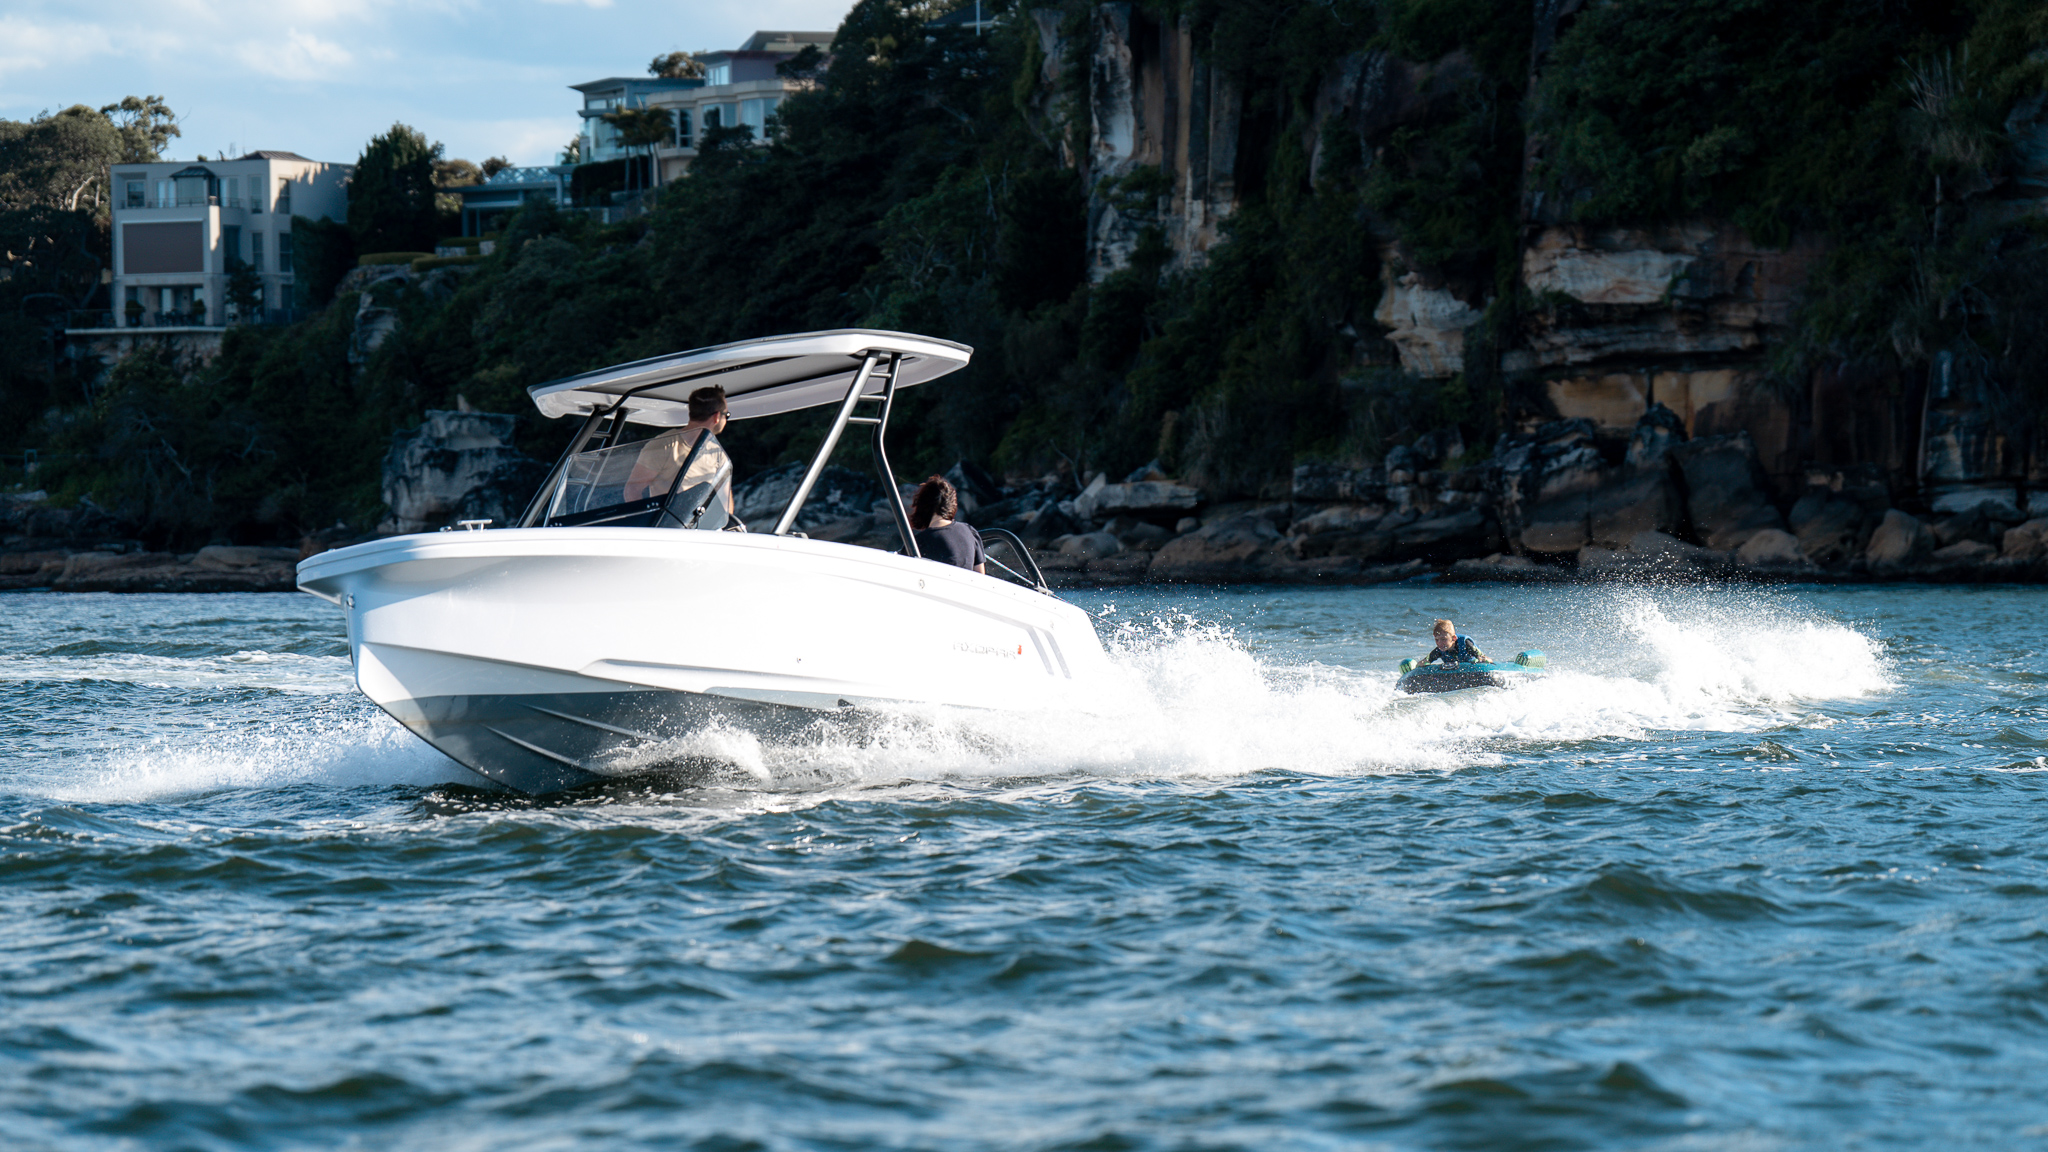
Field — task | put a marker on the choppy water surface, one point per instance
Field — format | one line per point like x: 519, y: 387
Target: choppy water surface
x: 1748, y: 870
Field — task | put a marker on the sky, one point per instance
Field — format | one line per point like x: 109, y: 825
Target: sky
x: 320, y: 77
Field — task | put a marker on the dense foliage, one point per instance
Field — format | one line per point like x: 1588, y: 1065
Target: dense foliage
x: 928, y: 184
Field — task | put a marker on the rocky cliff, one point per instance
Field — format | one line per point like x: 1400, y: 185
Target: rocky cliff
x: 1601, y: 328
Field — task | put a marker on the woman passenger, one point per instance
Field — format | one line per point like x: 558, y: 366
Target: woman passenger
x: 939, y: 536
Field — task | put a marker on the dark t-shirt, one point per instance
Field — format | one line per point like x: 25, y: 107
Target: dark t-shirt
x: 956, y: 543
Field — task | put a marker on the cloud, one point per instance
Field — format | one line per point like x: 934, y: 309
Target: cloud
x: 302, y: 56
x: 28, y: 45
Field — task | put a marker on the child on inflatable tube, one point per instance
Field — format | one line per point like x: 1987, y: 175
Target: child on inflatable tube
x: 1452, y: 648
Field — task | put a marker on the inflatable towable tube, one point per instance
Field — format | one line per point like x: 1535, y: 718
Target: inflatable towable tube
x: 1419, y: 677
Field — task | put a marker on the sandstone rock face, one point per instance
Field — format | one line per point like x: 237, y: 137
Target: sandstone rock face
x: 1617, y: 272
x: 1899, y: 540
x: 1724, y: 491
x: 1153, y: 102
x: 1427, y: 325
x: 457, y: 466
x: 1686, y: 290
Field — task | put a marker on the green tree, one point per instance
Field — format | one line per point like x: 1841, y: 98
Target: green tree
x: 642, y: 128
x: 146, y: 125
x: 57, y: 161
x: 391, y: 204
x: 245, y: 288
x: 677, y: 66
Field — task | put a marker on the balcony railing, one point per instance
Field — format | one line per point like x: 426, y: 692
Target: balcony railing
x: 284, y: 203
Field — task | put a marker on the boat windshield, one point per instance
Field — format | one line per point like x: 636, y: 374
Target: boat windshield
x: 633, y: 474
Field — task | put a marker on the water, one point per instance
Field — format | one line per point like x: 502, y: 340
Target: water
x: 1748, y: 870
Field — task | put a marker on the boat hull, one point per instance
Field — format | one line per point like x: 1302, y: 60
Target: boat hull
x: 551, y: 658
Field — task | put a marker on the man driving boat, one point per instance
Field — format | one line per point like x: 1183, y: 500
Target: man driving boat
x: 1452, y: 648
x: 659, y: 457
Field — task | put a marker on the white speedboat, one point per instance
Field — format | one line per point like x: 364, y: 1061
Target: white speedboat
x: 607, y: 631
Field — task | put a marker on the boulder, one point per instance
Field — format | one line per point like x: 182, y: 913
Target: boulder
x: 1328, y: 483
x: 1343, y: 530
x: 457, y: 466
x: 976, y: 487
x: 2000, y: 502
x: 1656, y: 433
x: 1899, y: 540
x: 1224, y: 551
x: 1964, y: 552
x: 2028, y: 541
x: 1138, y: 535
x: 1771, y: 548
x: 1725, y: 491
x: 1666, y: 550
x: 1145, y: 497
x: 1123, y: 568
x: 839, y: 494
x: 1452, y: 536
x: 1090, y: 546
x: 1646, y: 501
x: 1828, y: 527
x: 1972, y: 524
x: 226, y: 558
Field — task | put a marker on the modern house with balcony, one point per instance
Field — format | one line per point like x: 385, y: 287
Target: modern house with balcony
x: 180, y: 229
x: 600, y: 141
x: 741, y: 88
x: 483, y: 205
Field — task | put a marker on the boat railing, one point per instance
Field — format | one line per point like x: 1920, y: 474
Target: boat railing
x: 1019, y: 550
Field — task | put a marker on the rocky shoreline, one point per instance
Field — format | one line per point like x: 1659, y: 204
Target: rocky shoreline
x: 1563, y: 502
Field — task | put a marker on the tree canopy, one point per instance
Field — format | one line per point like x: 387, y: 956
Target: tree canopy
x: 391, y: 204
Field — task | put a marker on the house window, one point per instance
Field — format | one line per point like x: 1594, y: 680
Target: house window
x: 255, y: 193
x: 256, y: 251
x: 719, y: 73
x: 284, y: 200
x: 166, y: 196
x: 682, y: 127
x: 234, y: 199
x: 230, y: 246
x: 134, y: 191
x: 754, y: 114
x: 284, y: 251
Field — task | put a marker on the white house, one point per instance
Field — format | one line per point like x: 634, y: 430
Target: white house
x: 741, y: 88
x: 180, y: 227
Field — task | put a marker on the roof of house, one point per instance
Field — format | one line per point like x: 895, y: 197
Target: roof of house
x: 641, y: 82
x: 266, y: 154
x: 967, y: 16
x: 785, y: 41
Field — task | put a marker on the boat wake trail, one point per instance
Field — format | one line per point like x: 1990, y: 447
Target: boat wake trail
x: 358, y: 747
x: 1193, y: 699
x: 1188, y: 698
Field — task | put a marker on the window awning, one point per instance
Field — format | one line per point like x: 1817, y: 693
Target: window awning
x: 760, y: 377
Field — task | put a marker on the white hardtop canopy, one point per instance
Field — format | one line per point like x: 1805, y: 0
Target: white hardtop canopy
x: 760, y: 377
